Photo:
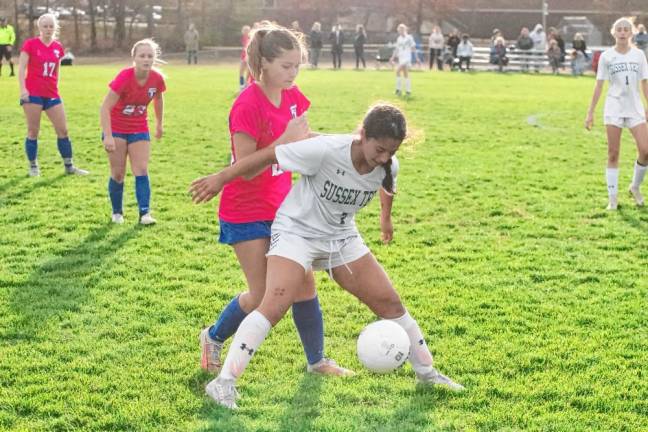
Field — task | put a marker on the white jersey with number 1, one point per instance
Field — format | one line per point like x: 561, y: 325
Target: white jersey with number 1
x: 625, y: 73
x: 404, y: 46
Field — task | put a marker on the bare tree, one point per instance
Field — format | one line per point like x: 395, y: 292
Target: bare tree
x: 119, y: 13
x: 92, y: 14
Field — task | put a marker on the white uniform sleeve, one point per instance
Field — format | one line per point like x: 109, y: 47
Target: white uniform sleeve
x: 394, y: 169
x: 304, y: 157
x: 602, y: 70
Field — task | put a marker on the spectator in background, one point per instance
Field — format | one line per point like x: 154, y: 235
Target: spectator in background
x: 501, y: 60
x: 578, y: 62
x: 315, y: 44
x: 554, y: 55
x: 435, y: 43
x: 641, y: 39
x: 191, y: 43
x: 496, y: 33
x: 525, y: 45
x: 539, y: 43
x: 7, y: 39
x: 555, y: 35
x: 244, y: 70
x: 465, y: 52
x: 358, y: 46
x: 453, y: 42
x: 295, y: 26
x: 579, y: 45
x: 337, y: 43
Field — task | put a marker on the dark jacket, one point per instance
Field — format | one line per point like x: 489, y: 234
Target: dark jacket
x: 316, y: 39
x: 336, y: 44
x: 525, y: 43
x: 359, y: 40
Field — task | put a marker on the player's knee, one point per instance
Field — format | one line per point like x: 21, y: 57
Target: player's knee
x: 32, y: 133
x: 118, y: 176
x: 61, y: 132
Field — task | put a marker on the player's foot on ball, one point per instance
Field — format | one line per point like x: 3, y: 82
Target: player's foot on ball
x: 117, y: 218
x: 223, y: 391
x: 210, y: 352
x: 327, y: 366
x: 147, y: 219
x: 73, y: 170
x: 612, y: 204
x: 636, y: 194
x: 436, y: 378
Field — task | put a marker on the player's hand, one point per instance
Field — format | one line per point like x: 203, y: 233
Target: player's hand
x: 24, y: 96
x: 589, y: 121
x: 158, y: 132
x: 206, y: 188
x: 297, y: 129
x: 386, y: 230
x: 109, y: 144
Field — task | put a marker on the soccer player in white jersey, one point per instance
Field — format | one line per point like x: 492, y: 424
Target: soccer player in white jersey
x: 405, y: 46
x: 315, y: 229
x: 625, y: 67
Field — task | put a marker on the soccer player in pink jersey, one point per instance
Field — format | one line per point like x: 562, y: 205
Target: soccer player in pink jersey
x: 38, y: 77
x: 269, y: 112
x: 125, y: 127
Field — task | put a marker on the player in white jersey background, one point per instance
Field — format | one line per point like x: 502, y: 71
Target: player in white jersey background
x: 403, y: 50
x: 315, y: 229
x: 626, y: 69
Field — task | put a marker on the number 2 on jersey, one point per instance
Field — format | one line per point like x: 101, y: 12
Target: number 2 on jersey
x: 48, y: 69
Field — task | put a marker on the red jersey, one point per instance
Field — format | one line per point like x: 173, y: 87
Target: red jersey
x: 258, y: 199
x: 129, y: 113
x: 43, y: 67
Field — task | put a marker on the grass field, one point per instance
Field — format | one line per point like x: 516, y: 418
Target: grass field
x: 530, y: 293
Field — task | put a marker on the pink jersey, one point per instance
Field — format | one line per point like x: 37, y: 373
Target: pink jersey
x: 253, y: 114
x: 129, y: 113
x: 43, y: 67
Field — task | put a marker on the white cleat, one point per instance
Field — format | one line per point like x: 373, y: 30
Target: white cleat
x: 636, y: 194
x: 73, y: 170
x: 613, y: 203
x: 223, y: 391
x: 436, y: 378
x: 34, y: 171
x: 117, y: 218
x: 147, y: 219
x: 210, y: 352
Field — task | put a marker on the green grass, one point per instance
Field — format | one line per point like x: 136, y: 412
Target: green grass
x: 530, y: 293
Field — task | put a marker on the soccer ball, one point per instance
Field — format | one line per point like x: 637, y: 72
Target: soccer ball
x: 383, y: 346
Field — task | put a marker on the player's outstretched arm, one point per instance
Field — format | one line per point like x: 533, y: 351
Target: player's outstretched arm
x: 206, y: 188
x: 386, y: 227
x: 589, y: 120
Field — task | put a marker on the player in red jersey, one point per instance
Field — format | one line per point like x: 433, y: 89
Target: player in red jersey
x: 125, y: 127
x: 38, y: 77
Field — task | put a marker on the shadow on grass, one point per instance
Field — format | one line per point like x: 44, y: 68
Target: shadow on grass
x: 630, y: 213
x: 63, y: 284
x: 23, y: 192
x: 304, y: 407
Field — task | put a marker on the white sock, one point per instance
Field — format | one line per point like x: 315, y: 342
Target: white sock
x: 639, y: 174
x: 420, y: 356
x: 249, y: 336
x: 408, y: 85
x: 612, y: 177
x: 398, y: 83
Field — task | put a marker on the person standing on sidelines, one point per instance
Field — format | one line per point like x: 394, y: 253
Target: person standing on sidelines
x: 38, y: 78
x: 7, y: 40
x: 626, y: 69
x: 191, y: 39
x: 435, y: 44
x: 244, y: 71
x: 358, y: 46
x: 316, y: 43
x: 270, y: 111
x: 403, y: 50
x: 315, y: 230
x: 125, y: 127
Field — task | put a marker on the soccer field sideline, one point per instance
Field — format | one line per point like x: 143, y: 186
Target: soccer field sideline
x: 529, y: 292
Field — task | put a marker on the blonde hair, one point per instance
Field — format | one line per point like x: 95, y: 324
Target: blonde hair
x: 269, y: 41
x: 627, y: 20
x: 316, y: 26
x: 157, y: 52
x: 57, y: 27
x: 401, y: 25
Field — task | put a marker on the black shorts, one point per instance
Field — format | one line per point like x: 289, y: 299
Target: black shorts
x: 4, y: 52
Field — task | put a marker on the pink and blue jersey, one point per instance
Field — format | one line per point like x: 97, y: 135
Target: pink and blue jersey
x: 258, y: 199
x: 129, y: 115
x: 43, y: 67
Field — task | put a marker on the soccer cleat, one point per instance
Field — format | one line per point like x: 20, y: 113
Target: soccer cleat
x: 408, y: 94
x: 118, y: 218
x: 612, y: 204
x: 327, y: 366
x: 636, y: 194
x: 436, y: 378
x: 398, y: 92
x: 147, y: 219
x: 223, y: 391
x: 34, y: 171
x: 210, y: 352
x: 72, y: 170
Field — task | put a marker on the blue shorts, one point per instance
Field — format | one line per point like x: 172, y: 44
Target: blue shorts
x: 131, y: 137
x: 231, y: 233
x: 46, y: 103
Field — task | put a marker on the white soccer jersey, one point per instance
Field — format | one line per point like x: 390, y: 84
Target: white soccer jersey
x: 404, y: 46
x: 624, y: 72
x: 330, y: 192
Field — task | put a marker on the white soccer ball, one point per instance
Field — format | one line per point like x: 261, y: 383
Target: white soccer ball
x: 383, y: 346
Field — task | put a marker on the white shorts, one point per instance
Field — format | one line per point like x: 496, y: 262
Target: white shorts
x: 405, y: 63
x: 623, y: 122
x: 317, y: 254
